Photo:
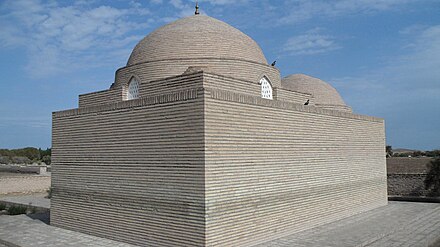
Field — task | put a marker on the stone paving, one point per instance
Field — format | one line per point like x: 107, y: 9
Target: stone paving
x: 398, y: 224
x: 24, y: 231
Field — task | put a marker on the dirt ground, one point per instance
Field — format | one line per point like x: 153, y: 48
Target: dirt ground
x: 407, y: 165
x: 15, y: 183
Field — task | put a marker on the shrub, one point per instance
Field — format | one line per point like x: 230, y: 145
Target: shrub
x: 389, y: 151
x: 49, y: 193
x: 2, y: 206
x: 21, y: 160
x: 4, y: 159
x: 15, y: 210
x: 432, y: 180
x: 46, y: 159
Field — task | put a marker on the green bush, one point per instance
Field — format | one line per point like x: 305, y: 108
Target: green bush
x: 2, y: 206
x: 24, y: 155
x: 15, y: 210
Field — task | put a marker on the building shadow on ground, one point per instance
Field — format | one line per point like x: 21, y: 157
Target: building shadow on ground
x: 42, y: 216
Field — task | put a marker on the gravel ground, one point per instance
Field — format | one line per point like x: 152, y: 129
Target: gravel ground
x: 13, y: 183
x: 11, y: 174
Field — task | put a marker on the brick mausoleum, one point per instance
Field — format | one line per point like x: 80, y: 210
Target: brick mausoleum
x: 199, y: 142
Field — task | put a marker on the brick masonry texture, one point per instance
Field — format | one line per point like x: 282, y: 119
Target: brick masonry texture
x: 397, y: 224
x: 133, y: 173
x: 272, y: 171
x: 149, y: 72
x: 99, y: 98
x: 200, y: 158
x: 193, y: 163
x: 325, y: 96
x: 196, y: 36
x: 170, y: 50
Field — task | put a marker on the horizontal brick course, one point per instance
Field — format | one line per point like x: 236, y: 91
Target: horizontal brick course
x: 197, y: 163
x: 132, y: 169
x: 273, y: 168
x: 197, y: 36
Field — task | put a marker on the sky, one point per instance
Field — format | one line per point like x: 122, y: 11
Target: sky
x: 383, y: 56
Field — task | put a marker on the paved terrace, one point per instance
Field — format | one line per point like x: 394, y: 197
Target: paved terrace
x: 24, y: 231
x: 398, y: 224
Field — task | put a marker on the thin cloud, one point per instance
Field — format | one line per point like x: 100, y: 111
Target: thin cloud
x: 405, y: 90
x: 310, y: 43
x: 303, y: 10
x: 226, y: 2
x: 184, y: 10
x: 60, y: 38
x: 412, y: 73
x: 418, y: 63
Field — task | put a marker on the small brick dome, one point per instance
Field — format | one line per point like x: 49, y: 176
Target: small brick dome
x: 196, y: 36
x: 325, y: 96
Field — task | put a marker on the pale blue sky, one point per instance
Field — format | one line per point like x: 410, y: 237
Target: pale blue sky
x: 383, y: 56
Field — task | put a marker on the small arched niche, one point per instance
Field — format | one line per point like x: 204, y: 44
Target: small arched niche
x: 266, y: 88
x: 133, y: 89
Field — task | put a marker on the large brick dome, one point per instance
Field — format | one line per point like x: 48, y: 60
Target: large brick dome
x: 196, y: 37
x: 325, y: 96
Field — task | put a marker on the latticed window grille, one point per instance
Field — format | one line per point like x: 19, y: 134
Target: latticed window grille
x: 266, y: 89
x: 133, y: 89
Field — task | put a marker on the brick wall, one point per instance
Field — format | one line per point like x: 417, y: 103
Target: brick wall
x: 100, y: 98
x: 150, y: 73
x: 203, y: 166
x: 294, y: 97
x: 132, y: 171
x: 274, y: 168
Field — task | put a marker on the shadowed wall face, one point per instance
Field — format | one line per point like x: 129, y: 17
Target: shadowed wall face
x: 271, y: 170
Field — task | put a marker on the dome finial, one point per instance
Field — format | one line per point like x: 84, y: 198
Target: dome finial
x: 197, y: 8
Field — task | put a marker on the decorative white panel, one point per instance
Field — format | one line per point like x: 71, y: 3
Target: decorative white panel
x: 266, y: 89
x: 133, y: 89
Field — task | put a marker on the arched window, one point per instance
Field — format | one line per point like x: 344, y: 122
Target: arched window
x: 266, y: 89
x: 133, y: 89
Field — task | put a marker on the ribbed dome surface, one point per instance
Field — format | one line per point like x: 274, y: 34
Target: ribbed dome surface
x: 323, y: 93
x: 196, y: 36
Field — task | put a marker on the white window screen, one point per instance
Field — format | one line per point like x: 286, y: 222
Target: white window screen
x: 266, y: 89
x: 133, y: 89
